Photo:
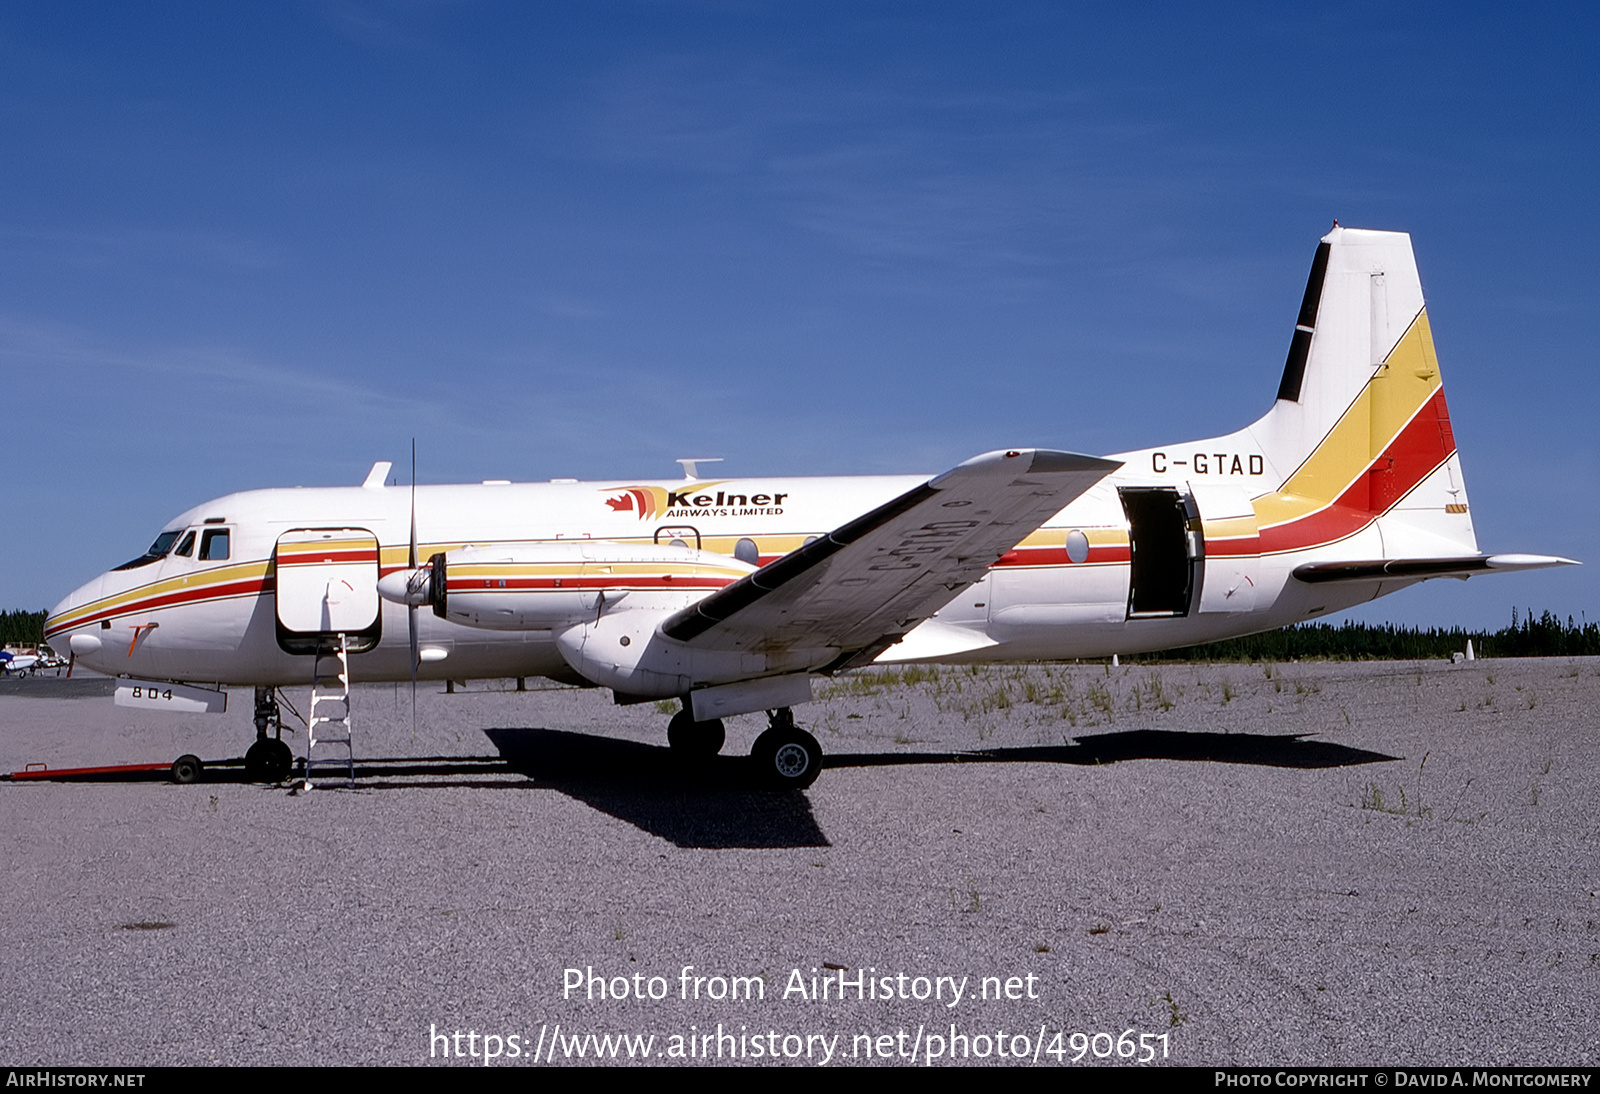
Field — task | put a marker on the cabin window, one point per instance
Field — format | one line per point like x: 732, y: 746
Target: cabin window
x: 157, y: 550
x: 746, y: 551
x: 214, y: 547
x: 186, y: 548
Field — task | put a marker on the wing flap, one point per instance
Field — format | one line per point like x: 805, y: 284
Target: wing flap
x: 876, y: 577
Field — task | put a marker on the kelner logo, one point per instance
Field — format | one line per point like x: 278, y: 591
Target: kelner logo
x: 648, y: 502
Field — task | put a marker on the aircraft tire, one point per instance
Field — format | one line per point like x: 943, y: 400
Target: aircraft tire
x: 268, y: 761
x: 186, y: 769
x: 690, y: 738
x: 787, y: 758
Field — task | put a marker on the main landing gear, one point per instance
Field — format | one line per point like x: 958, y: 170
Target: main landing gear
x: 269, y: 760
x: 691, y: 739
x: 786, y: 757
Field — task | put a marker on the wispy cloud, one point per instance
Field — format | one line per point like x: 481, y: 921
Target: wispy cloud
x: 29, y: 344
x: 141, y: 247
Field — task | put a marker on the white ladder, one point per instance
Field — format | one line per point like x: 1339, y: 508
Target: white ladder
x: 328, y: 720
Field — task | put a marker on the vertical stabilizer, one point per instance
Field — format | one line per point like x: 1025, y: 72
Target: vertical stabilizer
x: 1360, y: 433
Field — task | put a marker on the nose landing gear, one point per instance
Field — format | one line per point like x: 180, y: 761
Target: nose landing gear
x: 269, y: 760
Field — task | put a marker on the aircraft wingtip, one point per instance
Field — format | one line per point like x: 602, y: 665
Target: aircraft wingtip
x: 1528, y: 562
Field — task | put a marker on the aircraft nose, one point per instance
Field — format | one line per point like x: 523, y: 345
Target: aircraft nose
x: 57, y: 616
x: 65, y: 627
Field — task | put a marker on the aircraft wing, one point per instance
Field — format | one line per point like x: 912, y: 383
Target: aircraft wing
x: 862, y: 586
x: 1462, y: 566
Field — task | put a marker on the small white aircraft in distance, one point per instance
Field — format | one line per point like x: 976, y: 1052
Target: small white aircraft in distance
x: 18, y: 664
x: 731, y: 594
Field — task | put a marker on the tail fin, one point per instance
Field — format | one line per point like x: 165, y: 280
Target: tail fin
x: 1360, y: 432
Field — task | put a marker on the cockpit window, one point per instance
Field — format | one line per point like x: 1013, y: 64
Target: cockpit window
x: 157, y: 550
x: 214, y: 546
x: 186, y: 548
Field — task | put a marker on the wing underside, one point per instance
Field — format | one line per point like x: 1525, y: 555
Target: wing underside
x: 863, y: 586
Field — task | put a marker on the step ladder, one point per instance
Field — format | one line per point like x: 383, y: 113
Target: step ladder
x: 328, y: 720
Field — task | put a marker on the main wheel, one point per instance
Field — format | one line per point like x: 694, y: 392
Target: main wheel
x: 688, y: 737
x: 268, y: 761
x: 788, y: 758
x: 186, y: 769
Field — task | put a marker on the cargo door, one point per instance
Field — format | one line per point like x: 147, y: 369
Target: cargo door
x: 326, y: 583
x: 1233, y: 548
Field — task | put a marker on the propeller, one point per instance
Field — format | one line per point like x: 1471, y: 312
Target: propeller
x: 411, y: 608
x: 411, y: 587
x: 415, y: 586
x: 411, y: 565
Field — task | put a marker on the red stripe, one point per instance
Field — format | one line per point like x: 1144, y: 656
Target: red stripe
x: 1243, y: 545
x: 536, y: 584
x: 323, y: 558
x: 225, y: 591
x: 1057, y: 556
x: 1421, y: 448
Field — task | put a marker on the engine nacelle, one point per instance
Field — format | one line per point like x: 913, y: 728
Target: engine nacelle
x: 604, y: 602
x: 623, y: 650
x: 557, y: 585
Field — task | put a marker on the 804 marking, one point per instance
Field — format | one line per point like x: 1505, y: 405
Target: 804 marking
x: 141, y: 692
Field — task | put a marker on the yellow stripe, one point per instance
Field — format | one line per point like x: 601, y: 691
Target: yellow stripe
x: 1057, y: 537
x: 1402, y: 386
x: 223, y: 576
x: 365, y: 542
x: 592, y: 569
x: 1230, y: 528
x: 401, y: 555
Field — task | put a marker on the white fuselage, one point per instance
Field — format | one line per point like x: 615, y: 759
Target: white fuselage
x: 1063, y: 593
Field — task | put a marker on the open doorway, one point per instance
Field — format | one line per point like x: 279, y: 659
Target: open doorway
x: 1166, y: 549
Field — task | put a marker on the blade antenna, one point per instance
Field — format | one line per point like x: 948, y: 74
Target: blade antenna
x: 411, y: 609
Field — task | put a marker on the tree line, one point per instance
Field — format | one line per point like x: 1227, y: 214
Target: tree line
x: 1528, y: 636
x: 22, y: 628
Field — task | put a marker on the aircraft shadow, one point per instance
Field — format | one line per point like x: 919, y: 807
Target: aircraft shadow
x: 1271, y: 750
x: 719, y: 803
x: 710, y: 803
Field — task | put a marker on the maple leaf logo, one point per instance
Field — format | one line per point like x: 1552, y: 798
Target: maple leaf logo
x: 646, y: 501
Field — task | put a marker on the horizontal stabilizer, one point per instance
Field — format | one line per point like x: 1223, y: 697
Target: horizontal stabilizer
x: 1418, y: 568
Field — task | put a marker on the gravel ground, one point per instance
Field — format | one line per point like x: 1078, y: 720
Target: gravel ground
x: 1379, y: 864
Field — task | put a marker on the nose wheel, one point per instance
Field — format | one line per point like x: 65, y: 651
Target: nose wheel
x: 269, y: 760
x: 786, y: 756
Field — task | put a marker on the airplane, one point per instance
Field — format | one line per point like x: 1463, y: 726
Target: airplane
x: 18, y: 664
x: 732, y: 594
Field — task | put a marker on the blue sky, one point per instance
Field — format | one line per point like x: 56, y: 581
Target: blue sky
x: 264, y: 245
